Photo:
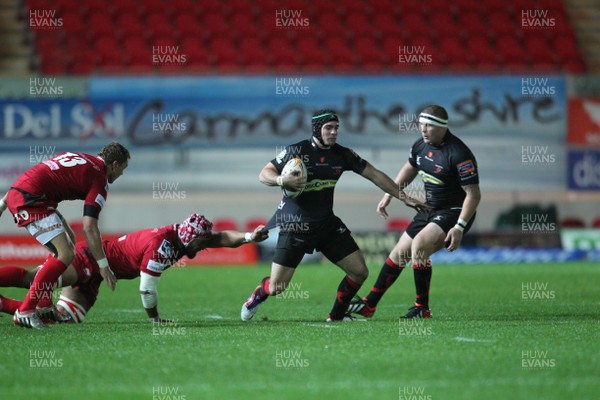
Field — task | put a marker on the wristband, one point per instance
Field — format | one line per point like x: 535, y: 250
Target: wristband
x: 459, y: 227
x: 103, y: 263
x: 462, y: 223
x: 279, y: 180
x: 248, y: 237
x: 388, y: 195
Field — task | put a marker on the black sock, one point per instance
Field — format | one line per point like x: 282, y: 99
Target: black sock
x: 346, y: 291
x: 422, y: 274
x: 387, y: 276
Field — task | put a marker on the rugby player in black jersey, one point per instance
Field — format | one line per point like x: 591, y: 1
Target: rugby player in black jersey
x: 307, y: 222
x: 449, y: 171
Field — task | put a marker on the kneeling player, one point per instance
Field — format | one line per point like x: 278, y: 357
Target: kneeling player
x: 145, y: 253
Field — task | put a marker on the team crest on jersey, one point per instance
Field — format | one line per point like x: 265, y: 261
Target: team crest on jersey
x: 279, y: 158
x: 166, y: 249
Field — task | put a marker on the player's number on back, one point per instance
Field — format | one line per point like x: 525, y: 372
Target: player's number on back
x: 69, y: 160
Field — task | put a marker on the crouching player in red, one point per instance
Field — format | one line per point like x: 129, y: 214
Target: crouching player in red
x: 146, y: 253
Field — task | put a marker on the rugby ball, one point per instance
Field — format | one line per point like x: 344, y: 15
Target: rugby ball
x: 294, y: 167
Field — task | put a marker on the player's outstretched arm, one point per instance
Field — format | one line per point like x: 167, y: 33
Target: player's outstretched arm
x: 390, y: 187
x: 94, y: 242
x: 235, y: 238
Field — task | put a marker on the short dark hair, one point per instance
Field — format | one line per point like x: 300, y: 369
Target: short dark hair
x: 114, y: 152
x: 436, y: 111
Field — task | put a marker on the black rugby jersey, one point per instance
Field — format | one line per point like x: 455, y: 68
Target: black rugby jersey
x: 444, y: 169
x: 324, y: 168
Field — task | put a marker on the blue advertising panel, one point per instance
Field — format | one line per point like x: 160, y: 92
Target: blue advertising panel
x: 584, y: 169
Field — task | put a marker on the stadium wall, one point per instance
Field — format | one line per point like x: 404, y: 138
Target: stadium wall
x: 198, y: 143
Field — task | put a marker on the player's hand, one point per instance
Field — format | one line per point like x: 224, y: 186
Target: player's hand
x: 109, y: 277
x: 416, y: 204
x: 293, y: 183
x: 382, y: 205
x: 453, y: 239
x: 259, y: 234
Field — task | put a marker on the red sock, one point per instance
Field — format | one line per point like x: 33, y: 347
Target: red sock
x: 44, y: 283
x: 12, y: 277
x: 9, y: 306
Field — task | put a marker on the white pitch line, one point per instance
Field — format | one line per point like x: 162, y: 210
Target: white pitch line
x: 215, y: 316
x: 473, y: 340
x: 322, y: 325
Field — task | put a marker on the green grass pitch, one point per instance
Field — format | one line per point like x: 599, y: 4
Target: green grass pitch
x: 497, y: 332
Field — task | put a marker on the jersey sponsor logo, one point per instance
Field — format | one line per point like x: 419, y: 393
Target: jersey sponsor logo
x: 430, y: 178
x: 466, y: 169
x: 165, y: 249
x: 319, y: 184
x: 155, y: 266
x: 100, y: 200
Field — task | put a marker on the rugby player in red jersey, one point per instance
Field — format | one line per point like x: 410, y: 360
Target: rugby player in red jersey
x: 451, y: 179
x: 33, y: 199
x: 145, y: 253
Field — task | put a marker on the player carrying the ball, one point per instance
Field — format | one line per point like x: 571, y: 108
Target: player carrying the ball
x: 449, y: 171
x: 307, y: 222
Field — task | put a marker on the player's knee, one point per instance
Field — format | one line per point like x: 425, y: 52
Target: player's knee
x: 360, y: 276
x: 66, y: 255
